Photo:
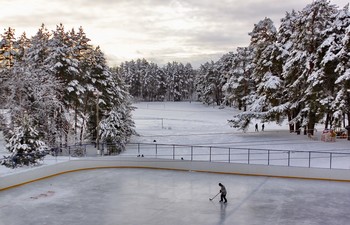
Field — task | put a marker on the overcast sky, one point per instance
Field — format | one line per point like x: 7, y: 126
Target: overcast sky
x: 161, y: 31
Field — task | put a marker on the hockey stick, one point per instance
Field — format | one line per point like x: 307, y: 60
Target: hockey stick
x: 214, y: 196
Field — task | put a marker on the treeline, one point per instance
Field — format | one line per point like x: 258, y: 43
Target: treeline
x: 57, y: 86
x: 150, y: 82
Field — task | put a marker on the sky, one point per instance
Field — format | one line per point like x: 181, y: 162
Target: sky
x: 161, y: 31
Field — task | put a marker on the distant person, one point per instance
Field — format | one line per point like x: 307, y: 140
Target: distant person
x: 223, y: 193
x: 256, y: 128
x: 262, y: 127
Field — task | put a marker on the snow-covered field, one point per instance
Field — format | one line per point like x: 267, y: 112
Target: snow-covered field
x: 198, y: 124
x: 194, y: 123
x: 206, y: 128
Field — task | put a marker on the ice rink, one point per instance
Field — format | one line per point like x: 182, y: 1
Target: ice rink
x: 166, y: 197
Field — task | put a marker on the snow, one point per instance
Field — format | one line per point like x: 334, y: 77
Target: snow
x: 272, y: 82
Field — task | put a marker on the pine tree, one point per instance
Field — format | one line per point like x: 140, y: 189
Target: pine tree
x: 240, y: 84
x: 284, y: 46
x: 266, y: 73
x: 25, y: 145
x: 205, y: 83
x: 340, y: 51
x: 161, y: 83
x: 189, y: 74
x: 42, y: 88
x: 8, y: 52
x: 303, y: 70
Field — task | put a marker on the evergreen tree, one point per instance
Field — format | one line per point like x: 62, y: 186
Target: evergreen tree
x: 266, y: 73
x: 42, y: 87
x: 161, y: 83
x: 240, y: 84
x: 189, y: 74
x: 308, y: 88
x: 339, y: 51
x: 25, y: 145
x: 284, y: 47
x: 8, y: 52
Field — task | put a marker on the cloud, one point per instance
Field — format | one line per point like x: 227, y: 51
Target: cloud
x: 154, y: 29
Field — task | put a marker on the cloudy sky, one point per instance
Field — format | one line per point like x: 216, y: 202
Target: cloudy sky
x: 161, y: 31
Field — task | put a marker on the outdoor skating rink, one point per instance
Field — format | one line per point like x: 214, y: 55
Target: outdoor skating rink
x: 167, y: 197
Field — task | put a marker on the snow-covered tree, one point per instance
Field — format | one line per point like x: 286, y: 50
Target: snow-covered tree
x: 240, y: 84
x: 306, y: 79
x: 7, y: 48
x: 116, y: 128
x: 41, y: 96
x: 334, y: 58
x: 208, y: 84
x: 265, y: 73
x: 189, y: 74
x: 24, y: 142
x: 337, y: 58
x: 8, y: 54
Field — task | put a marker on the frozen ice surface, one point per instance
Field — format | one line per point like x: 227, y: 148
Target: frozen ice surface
x: 159, y: 197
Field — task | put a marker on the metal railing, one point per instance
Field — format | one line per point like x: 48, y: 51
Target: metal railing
x: 311, y: 159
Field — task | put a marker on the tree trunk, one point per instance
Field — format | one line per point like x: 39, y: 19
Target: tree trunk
x: 297, y: 128
x: 291, y: 126
x: 348, y: 126
x: 83, y: 122
x: 327, y: 121
x: 311, y: 124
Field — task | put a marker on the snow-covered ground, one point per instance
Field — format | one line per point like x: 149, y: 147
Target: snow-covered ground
x: 185, y: 123
x: 198, y: 124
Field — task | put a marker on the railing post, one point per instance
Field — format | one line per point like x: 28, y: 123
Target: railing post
x: 309, y: 159
x: 248, y: 156
x: 229, y: 155
x: 191, y: 153
x: 268, y: 157
x: 156, y: 150
x: 288, y: 158
x: 330, y: 160
x: 210, y: 154
x: 173, y: 151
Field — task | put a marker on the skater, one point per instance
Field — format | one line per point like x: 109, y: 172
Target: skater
x: 223, y: 193
x: 256, y: 128
x: 262, y: 127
